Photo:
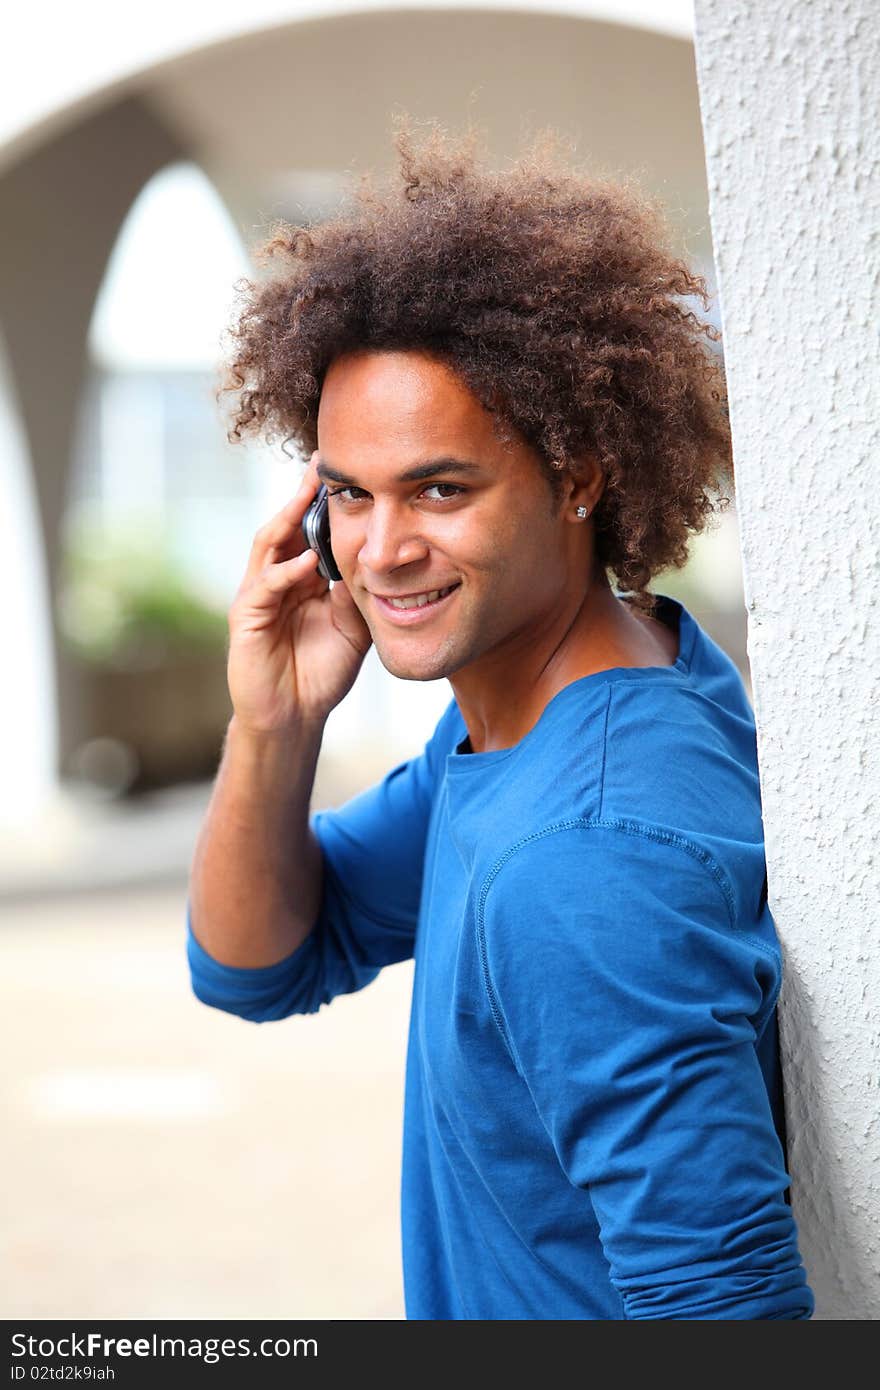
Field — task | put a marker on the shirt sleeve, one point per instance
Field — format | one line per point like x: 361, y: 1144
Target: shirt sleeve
x: 373, y: 851
x: 632, y: 1003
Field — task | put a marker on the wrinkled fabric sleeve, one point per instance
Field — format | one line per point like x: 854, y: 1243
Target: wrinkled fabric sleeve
x: 373, y: 851
x: 631, y: 1002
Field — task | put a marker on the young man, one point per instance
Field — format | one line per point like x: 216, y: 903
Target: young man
x: 508, y: 399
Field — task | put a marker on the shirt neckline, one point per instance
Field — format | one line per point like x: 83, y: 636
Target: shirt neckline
x: 462, y: 760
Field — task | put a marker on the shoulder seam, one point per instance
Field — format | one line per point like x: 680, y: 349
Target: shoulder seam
x: 628, y: 827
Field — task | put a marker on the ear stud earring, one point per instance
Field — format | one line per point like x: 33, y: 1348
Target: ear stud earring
x: 581, y: 513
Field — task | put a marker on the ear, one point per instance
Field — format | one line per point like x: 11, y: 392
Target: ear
x: 583, y: 488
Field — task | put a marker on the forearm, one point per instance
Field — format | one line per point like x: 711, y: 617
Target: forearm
x: 256, y: 874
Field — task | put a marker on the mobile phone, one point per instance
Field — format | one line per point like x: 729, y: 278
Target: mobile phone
x: 316, y: 529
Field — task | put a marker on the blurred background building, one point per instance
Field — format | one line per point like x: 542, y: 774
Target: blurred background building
x: 166, y: 1161
x: 128, y: 217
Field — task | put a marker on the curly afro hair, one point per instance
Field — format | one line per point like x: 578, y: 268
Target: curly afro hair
x: 555, y: 297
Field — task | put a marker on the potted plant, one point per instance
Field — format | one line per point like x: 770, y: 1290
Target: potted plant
x: 152, y: 652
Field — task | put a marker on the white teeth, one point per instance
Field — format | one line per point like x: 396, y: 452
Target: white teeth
x: 419, y: 600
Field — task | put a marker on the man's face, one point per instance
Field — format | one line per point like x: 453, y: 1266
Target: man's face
x: 479, y: 520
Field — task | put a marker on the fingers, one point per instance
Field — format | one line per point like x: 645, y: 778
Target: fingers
x: 283, y: 531
x: 279, y: 578
x: 267, y: 590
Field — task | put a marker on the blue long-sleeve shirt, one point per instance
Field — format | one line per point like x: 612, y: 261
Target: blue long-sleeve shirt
x: 592, y: 1113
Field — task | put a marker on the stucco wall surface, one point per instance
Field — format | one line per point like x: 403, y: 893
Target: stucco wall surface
x: 790, y: 100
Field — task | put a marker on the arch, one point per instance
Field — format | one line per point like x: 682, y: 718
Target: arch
x: 49, y: 88
x: 62, y: 206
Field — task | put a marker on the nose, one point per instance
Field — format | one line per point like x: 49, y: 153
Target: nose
x: 391, y: 539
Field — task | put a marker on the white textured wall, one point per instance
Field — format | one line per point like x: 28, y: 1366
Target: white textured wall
x: 790, y: 98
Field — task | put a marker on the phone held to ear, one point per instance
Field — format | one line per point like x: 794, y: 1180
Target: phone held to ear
x: 316, y: 529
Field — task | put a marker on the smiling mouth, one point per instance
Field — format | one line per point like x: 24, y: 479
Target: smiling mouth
x: 422, y: 600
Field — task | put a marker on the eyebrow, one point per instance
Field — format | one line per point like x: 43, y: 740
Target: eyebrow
x: 428, y: 468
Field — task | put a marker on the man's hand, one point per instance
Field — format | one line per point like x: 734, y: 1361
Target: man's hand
x: 296, y: 644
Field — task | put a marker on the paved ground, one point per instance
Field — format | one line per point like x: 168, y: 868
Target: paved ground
x: 164, y: 1160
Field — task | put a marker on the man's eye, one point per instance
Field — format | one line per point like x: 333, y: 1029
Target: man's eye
x: 452, y: 489
x: 354, y: 494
